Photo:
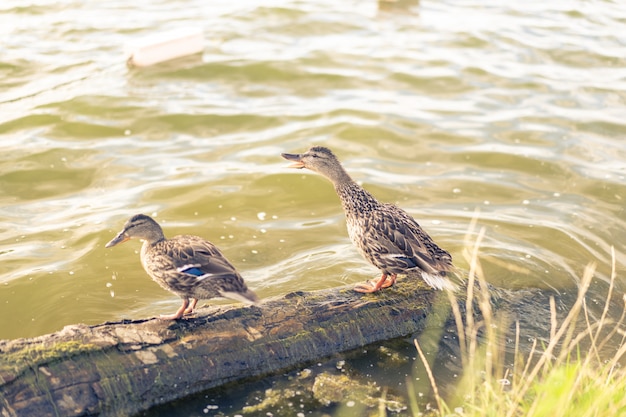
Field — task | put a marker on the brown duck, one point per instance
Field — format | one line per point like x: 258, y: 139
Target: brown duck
x: 385, y: 234
x: 188, y: 266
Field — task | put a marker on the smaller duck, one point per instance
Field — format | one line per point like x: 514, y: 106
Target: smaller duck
x: 385, y: 235
x: 188, y: 266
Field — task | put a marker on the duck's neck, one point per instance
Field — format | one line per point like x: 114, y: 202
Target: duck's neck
x: 154, y: 234
x: 338, y: 176
x: 354, y: 198
x: 151, y: 241
x: 148, y: 251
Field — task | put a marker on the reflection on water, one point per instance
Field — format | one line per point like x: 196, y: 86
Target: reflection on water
x: 512, y: 111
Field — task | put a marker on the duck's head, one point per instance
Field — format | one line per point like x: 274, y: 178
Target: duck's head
x: 139, y: 226
x: 319, y: 159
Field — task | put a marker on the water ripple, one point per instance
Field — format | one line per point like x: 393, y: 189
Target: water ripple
x: 514, y: 110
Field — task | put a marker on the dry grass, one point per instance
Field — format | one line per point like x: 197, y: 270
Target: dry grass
x: 567, y: 376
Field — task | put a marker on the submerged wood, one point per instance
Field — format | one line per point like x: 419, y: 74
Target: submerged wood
x: 125, y: 367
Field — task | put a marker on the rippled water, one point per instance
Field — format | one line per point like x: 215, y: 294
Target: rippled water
x: 515, y: 111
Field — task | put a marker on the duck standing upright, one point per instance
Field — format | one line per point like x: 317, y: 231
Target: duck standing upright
x: 188, y: 266
x: 384, y: 234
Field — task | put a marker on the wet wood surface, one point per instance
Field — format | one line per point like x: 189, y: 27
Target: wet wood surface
x: 122, y: 368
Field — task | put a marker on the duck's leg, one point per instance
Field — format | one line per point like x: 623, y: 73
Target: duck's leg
x: 389, y: 281
x: 368, y: 287
x: 189, y: 309
x: 179, y: 313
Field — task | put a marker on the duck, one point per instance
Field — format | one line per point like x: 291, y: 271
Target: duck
x: 189, y: 266
x: 385, y: 235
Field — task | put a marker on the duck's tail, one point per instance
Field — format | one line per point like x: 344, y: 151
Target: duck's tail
x: 248, y: 296
x: 439, y: 281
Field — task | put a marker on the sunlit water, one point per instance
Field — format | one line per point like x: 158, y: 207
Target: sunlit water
x: 514, y: 112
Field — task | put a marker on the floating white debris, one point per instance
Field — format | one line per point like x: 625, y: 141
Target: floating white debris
x: 164, y: 46
x: 261, y: 215
x: 209, y: 408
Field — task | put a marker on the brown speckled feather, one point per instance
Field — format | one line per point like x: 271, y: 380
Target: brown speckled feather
x: 390, y: 238
x: 396, y: 243
x: 189, y: 266
x: 383, y: 233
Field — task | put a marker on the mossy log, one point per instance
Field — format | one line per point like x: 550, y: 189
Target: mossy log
x: 125, y: 367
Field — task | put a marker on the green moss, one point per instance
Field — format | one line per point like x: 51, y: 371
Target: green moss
x: 326, y: 389
x: 330, y: 388
x: 276, y: 399
x: 33, y: 357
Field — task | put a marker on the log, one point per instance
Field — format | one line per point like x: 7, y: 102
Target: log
x: 123, y: 368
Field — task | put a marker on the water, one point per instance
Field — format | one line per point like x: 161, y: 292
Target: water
x: 516, y: 112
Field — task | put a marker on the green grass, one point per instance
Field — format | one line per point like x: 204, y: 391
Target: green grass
x: 567, y: 376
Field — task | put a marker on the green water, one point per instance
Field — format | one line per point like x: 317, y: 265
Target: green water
x: 515, y: 111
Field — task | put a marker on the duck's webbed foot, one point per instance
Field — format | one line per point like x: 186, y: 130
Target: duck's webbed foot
x: 191, y: 307
x: 180, y: 312
x: 385, y: 281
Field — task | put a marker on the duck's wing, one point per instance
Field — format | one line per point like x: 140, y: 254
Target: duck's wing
x: 208, y: 262
x: 400, y: 242
x: 196, y: 256
x: 195, y: 262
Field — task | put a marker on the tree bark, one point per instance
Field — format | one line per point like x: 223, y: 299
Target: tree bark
x: 122, y: 368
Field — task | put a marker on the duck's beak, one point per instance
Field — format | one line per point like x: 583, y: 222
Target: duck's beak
x: 296, y: 158
x: 120, y: 238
